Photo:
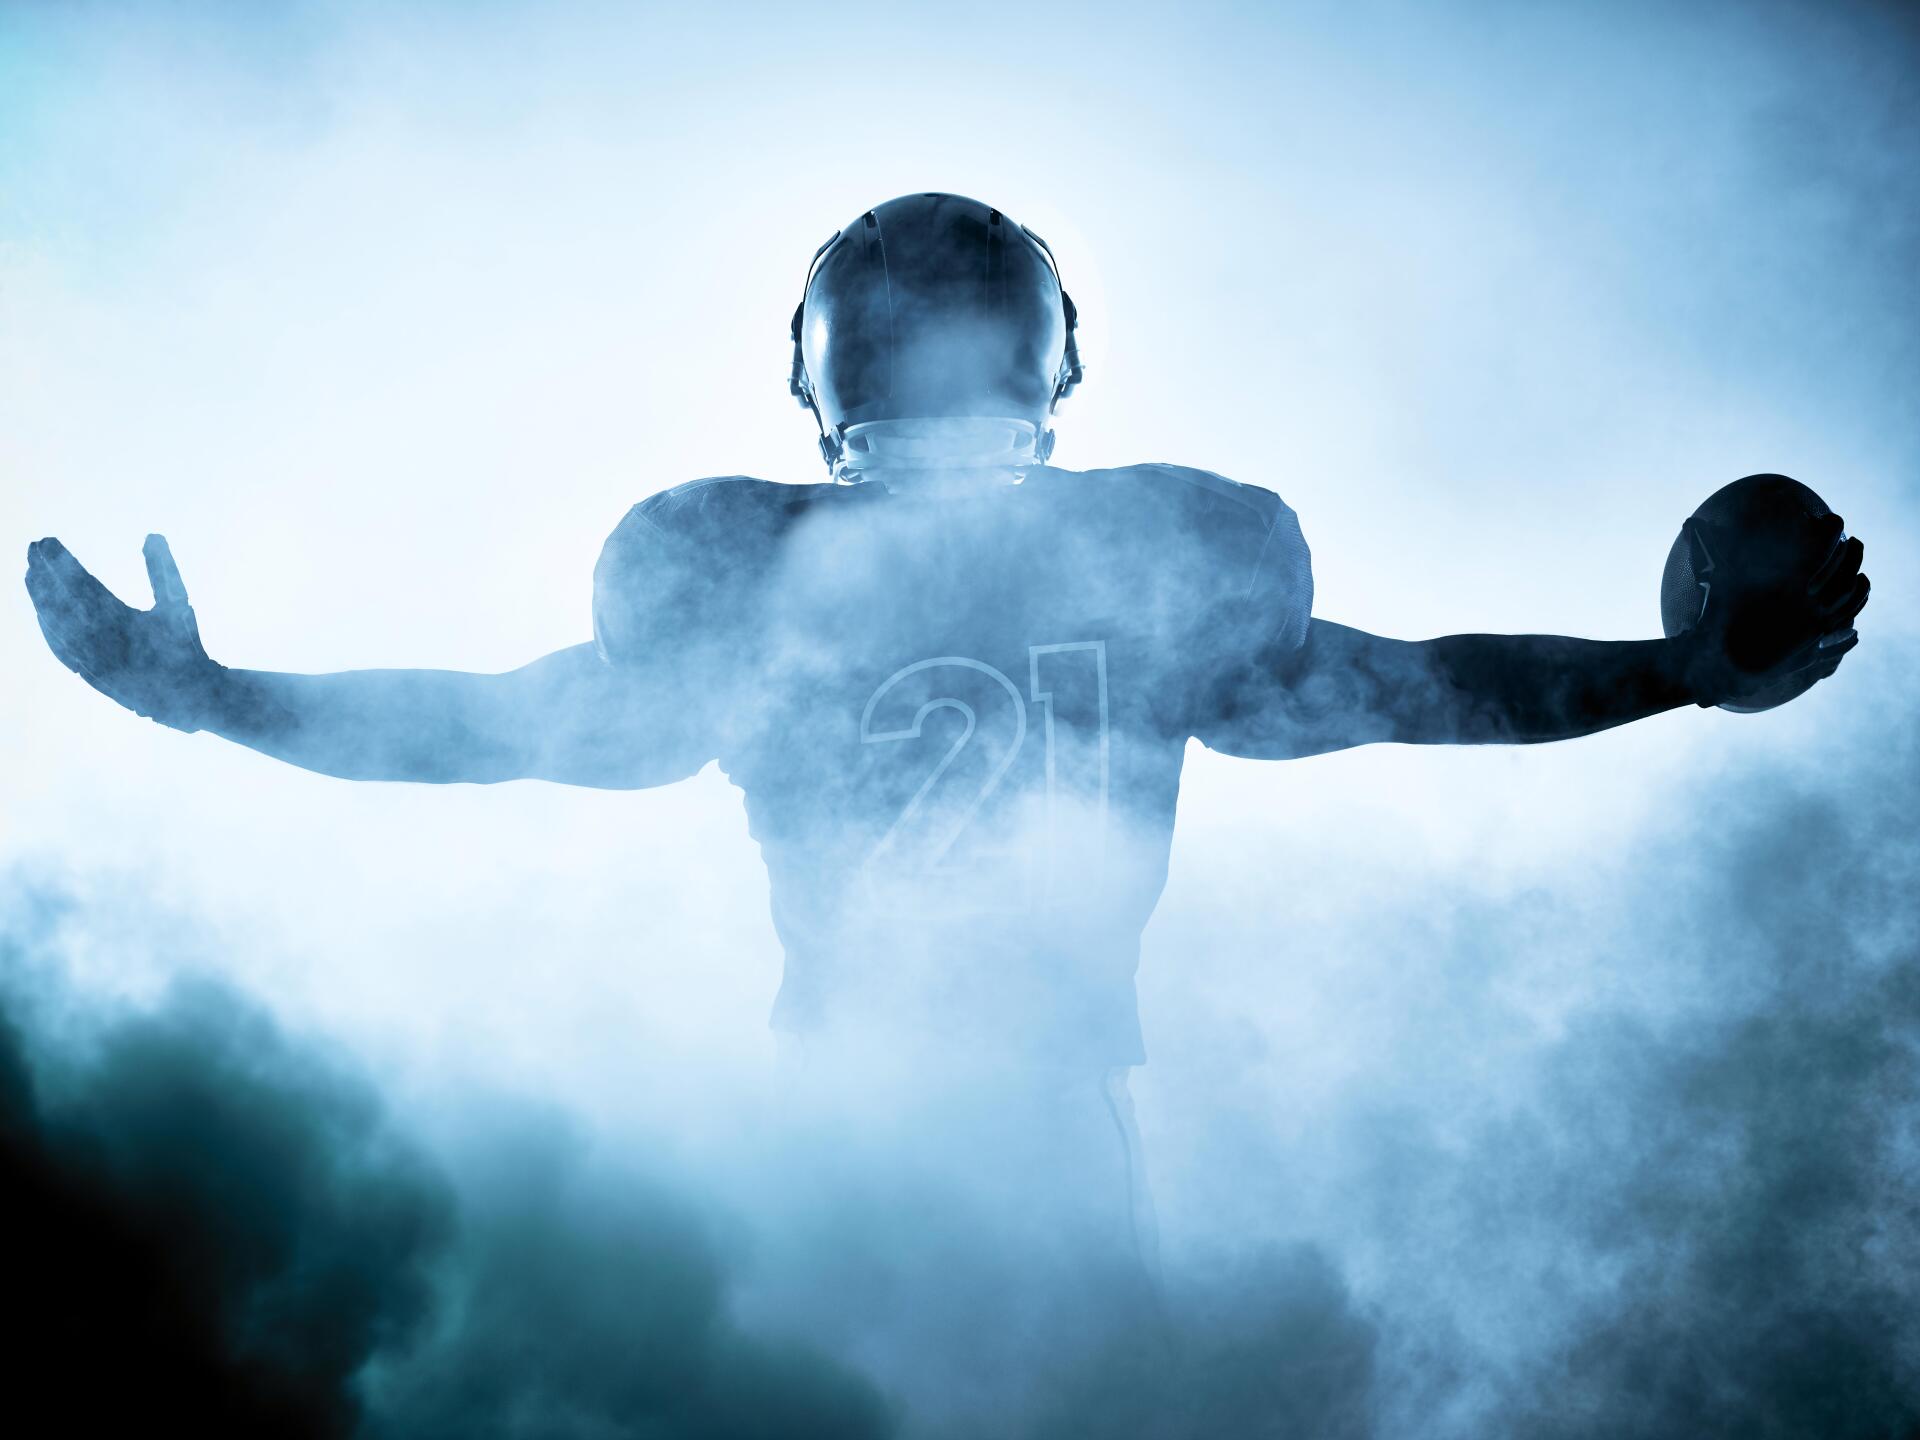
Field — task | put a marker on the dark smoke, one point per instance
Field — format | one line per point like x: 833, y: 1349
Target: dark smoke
x: 203, y: 1227
x: 1694, y: 1209
x: 581, y: 1303
x: 1757, y: 1188
x: 212, y: 1229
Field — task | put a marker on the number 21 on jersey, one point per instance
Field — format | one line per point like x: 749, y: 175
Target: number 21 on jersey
x: 1067, y: 690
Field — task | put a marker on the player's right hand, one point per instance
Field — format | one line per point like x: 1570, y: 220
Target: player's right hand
x: 150, y: 661
x: 1766, y: 637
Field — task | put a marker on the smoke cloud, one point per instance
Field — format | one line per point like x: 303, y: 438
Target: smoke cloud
x: 1562, y: 1093
x: 1658, y: 1174
x: 216, y: 1226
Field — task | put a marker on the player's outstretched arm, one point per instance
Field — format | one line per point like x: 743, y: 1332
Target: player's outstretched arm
x: 1345, y: 687
x: 569, y: 717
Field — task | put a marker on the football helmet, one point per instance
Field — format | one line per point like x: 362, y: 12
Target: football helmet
x: 933, y: 333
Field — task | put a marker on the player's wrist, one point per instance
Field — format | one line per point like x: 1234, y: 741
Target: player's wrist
x: 1695, y: 667
x: 197, y: 697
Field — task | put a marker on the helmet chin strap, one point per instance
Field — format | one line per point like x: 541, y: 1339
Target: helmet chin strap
x: 939, y: 445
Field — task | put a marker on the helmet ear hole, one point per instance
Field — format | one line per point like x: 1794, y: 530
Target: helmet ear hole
x: 1072, y: 371
x: 797, y: 375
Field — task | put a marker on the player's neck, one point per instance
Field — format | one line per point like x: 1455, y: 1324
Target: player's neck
x: 941, y: 455
x: 947, y: 483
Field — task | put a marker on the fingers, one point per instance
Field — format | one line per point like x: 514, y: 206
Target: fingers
x: 1833, y: 655
x: 1832, y: 646
x: 39, y: 573
x: 1823, y: 652
x: 49, y: 563
x: 1842, y: 554
x: 1839, y: 593
x: 1845, y: 603
x: 78, y: 615
x: 61, y: 583
x: 1837, y: 571
x: 55, y: 563
x: 169, y: 591
x: 1831, y: 529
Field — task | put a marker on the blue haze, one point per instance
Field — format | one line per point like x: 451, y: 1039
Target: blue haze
x: 1562, y: 1091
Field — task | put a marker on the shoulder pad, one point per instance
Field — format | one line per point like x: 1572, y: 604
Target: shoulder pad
x: 679, y: 554
x: 1257, y: 532
x: 1206, y: 486
x: 707, y: 509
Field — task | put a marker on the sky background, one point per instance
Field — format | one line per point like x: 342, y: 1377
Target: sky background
x: 384, y: 314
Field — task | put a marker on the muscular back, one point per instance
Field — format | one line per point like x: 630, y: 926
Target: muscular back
x: 958, y: 722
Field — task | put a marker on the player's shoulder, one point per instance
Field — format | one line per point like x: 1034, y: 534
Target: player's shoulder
x: 1201, y: 503
x: 680, y: 552
x: 719, y: 515
x: 1245, y: 537
x: 1183, y: 486
x: 720, y: 504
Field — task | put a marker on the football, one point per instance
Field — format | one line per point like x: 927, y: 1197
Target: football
x: 1756, y: 542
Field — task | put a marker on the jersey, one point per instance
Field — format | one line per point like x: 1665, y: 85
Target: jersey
x: 958, y: 723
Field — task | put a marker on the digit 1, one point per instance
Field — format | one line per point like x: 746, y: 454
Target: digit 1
x: 1072, y: 696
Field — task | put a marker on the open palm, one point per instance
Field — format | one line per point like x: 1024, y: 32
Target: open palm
x: 150, y: 661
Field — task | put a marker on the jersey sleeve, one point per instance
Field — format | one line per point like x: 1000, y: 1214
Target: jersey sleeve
x: 1255, y: 604
x: 677, y: 585
x: 1257, y: 592
x: 641, y: 586
x: 1278, y: 599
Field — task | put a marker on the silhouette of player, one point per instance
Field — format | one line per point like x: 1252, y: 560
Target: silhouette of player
x: 955, y: 682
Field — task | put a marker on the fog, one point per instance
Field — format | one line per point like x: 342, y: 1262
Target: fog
x: 1562, y: 1090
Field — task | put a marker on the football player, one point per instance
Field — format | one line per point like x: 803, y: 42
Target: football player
x: 955, y: 681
